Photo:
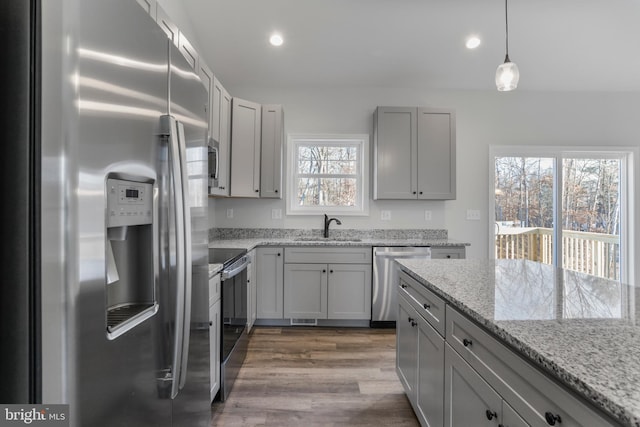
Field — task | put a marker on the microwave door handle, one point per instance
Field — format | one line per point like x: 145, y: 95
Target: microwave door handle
x: 170, y: 128
x: 187, y: 280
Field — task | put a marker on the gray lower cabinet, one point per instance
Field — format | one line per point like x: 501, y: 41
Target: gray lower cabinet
x: 327, y: 283
x: 305, y: 291
x: 252, y: 291
x: 269, y: 283
x: 420, y: 361
x: 414, y: 153
x: 468, y: 378
x: 214, y: 334
x: 470, y: 400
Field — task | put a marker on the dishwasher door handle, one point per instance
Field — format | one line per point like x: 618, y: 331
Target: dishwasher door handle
x: 426, y: 255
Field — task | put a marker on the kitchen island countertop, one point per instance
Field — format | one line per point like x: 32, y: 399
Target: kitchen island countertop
x: 579, y: 329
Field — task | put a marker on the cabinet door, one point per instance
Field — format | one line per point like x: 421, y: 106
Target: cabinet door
x: 271, y: 151
x: 436, y: 154
x: 269, y: 273
x: 188, y: 51
x: 164, y: 21
x: 510, y: 417
x: 206, y: 76
x: 469, y: 400
x: 214, y: 347
x: 349, y: 291
x: 407, y: 348
x: 395, y: 153
x: 305, y: 291
x: 221, y: 132
x: 245, y: 148
x: 430, y: 375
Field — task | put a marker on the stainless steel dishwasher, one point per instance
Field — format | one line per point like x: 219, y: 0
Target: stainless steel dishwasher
x: 384, y: 301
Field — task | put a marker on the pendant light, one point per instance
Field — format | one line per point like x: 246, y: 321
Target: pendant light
x: 507, y: 74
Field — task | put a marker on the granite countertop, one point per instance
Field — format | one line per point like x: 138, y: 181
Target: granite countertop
x: 250, y: 243
x: 579, y: 329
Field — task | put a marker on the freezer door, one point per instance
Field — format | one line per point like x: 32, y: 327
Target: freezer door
x: 104, y: 90
x: 191, y: 406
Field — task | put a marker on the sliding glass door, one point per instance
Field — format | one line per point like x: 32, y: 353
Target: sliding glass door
x: 564, y: 208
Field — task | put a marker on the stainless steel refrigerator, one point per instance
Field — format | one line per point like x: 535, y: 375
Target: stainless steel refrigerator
x: 105, y: 259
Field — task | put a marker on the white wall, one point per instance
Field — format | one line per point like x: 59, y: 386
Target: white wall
x: 483, y: 118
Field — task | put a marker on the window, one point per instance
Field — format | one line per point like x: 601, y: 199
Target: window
x: 564, y: 207
x: 327, y: 174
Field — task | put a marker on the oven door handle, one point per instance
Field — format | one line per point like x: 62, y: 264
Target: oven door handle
x: 228, y: 274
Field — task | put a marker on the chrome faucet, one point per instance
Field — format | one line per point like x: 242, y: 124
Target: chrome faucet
x: 327, y: 222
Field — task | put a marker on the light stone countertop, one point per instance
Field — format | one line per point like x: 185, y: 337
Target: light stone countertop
x: 214, y: 269
x: 250, y: 243
x: 579, y: 329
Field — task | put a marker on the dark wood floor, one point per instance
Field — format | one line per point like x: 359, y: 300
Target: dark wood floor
x: 317, y: 377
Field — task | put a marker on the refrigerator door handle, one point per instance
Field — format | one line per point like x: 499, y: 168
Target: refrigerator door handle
x: 170, y: 124
x: 186, y: 216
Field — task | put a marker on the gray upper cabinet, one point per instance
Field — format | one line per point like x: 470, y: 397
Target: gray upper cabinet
x: 221, y: 133
x: 206, y: 76
x: 150, y: 6
x: 246, y: 123
x: 272, y: 151
x: 167, y: 25
x: 414, y: 153
x: 188, y: 51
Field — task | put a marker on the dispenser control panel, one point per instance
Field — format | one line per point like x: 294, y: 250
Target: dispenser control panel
x: 129, y: 203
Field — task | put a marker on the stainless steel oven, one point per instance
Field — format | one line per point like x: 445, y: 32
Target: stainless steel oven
x: 234, y: 314
x: 214, y: 164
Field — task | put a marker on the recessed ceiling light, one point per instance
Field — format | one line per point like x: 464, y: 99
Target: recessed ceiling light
x: 276, y: 40
x: 472, y: 42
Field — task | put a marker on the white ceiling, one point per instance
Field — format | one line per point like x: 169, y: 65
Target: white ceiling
x: 582, y: 45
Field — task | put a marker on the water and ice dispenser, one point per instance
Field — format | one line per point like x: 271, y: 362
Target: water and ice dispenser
x: 130, y: 262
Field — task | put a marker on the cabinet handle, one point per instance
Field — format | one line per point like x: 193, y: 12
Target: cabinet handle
x: 414, y: 192
x: 467, y: 343
x: 210, y: 323
x: 552, y: 418
x: 278, y: 253
x: 491, y: 414
x: 421, y: 192
x: 403, y: 286
x: 276, y: 191
x: 409, y: 319
x: 500, y: 425
x: 324, y: 271
x: 413, y: 324
x: 448, y: 256
x: 257, y: 191
x: 426, y: 306
x: 330, y: 271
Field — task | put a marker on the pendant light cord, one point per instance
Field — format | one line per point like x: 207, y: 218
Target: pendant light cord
x: 506, y: 25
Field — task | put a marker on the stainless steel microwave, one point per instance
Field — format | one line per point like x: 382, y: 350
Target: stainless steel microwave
x: 214, y: 163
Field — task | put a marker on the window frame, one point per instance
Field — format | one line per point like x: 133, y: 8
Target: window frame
x: 362, y: 196
x: 628, y: 157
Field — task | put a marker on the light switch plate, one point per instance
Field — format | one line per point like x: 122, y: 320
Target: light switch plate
x: 427, y: 215
x: 276, y: 213
x: 229, y: 213
x: 473, y: 214
x: 385, y: 215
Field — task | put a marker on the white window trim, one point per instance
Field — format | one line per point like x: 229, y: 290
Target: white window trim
x: 362, y: 205
x: 629, y: 189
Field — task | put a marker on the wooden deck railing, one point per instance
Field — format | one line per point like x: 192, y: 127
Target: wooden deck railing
x: 592, y: 253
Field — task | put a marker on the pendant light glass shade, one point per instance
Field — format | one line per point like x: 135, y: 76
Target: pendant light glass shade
x: 507, y: 76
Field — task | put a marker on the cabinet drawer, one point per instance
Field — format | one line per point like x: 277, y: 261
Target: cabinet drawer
x: 530, y: 392
x: 214, y: 289
x: 426, y: 303
x: 328, y: 255
x: 457, y: 252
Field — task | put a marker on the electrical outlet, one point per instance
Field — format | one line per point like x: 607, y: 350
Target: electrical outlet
x: 229, y: 213
x: 385, y: 215
x: 427, y: 215
x: 473, y: 215
x: 276, y: 213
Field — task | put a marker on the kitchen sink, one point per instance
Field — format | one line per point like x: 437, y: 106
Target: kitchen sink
x: 323, y: 239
